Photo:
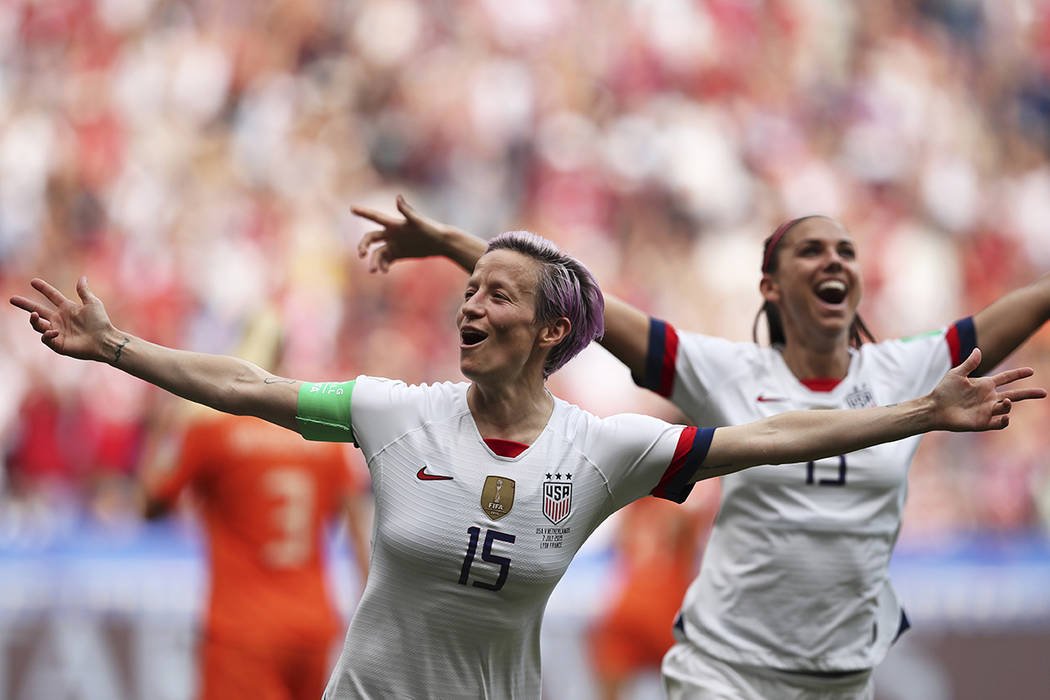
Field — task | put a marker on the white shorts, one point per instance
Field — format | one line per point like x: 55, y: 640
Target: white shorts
x: 690, y: 674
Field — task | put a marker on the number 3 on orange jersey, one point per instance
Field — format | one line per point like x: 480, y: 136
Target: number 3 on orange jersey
x: 292, y: 516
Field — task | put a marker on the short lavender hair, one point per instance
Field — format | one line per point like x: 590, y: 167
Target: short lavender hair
x: 565, y: 288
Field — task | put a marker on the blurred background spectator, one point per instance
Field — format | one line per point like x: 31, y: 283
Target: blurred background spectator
x: 197, y: 159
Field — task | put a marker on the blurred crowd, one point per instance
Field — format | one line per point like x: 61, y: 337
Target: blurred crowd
x: 197, y: 160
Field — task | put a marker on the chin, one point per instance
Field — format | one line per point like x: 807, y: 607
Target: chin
x: 471, y: 370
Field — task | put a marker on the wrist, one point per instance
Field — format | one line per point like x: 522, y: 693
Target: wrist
x: 447, y: 238
x: 113, y: 346
x: 923, y: 413
x: 460, y: 247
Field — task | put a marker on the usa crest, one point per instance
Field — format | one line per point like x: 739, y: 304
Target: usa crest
x: 557, y: 500
x: 497, y: 496
x: 860, y: 397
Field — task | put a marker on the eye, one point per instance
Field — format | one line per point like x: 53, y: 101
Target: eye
x: 848, y: 252
x: 469, y: 293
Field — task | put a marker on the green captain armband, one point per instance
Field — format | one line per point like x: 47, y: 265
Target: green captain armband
x: 323, y: 411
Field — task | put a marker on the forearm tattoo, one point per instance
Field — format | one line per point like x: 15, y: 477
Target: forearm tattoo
x: 120, y: 349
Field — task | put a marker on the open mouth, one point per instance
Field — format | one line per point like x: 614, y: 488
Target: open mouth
x: 831, y: 291
x: 469, y: 337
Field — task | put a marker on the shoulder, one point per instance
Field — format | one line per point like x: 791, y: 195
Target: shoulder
x: 898, y: 351
x: 383, y: 410
x: 383, y: 398
x: 713, y: 342
x: 397, y: 390
x: 709, y: 362
x: 912, y: 365
x: 586, y: 429
x: 712, y: 348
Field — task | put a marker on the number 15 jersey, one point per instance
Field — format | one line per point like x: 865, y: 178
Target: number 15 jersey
x: 467, y: 544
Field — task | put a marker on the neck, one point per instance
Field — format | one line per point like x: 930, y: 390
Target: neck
x: 516, y: 411
x: 811, y: 358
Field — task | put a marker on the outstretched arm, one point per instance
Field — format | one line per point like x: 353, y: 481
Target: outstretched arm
x: 82, y: 330
x: 958, y: 404
x: 1010, y: 320
x: 413, y: 235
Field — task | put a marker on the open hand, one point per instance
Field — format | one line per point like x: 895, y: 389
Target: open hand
x: 979, y: 403
x: 68, y: 327
x: 413, y: 236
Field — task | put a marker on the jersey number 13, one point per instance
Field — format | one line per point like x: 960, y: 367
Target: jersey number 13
x: 840, y: 481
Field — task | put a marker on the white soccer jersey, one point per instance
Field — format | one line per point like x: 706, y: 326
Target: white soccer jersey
x: 468, y: 545
x: 795, y: 574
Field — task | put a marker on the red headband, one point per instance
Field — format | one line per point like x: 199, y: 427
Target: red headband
x: 775, y: 238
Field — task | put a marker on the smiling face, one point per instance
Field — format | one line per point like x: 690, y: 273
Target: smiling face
x: 499, y: 336
x: 815, y: 281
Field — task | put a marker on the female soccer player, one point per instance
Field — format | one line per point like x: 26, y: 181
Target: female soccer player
x: 793, y: 596
x: 485, y: 490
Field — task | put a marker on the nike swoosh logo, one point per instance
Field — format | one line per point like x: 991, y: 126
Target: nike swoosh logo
x: 423, y: 476
x: 762, y: 398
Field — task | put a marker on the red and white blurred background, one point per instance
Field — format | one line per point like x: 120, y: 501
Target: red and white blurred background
x: 197, y: 161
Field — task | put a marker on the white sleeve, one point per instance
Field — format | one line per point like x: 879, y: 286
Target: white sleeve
x: 641, y: 455
x: 687, y: 367
x: 382, y: 410
x: 918, y: 363
x: 705, y: 362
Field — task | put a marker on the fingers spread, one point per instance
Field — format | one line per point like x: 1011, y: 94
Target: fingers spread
x: 28, y: 304
x: 1012, y: 375
x: 53, y: 295
x: 86, y: 295
x: 39, y: 323
x: 367, y: 240
x: 379, y: 261
x: 406, y: 209
x: 970, y: 363
x: 1023, y: 394
x: 376, y: 216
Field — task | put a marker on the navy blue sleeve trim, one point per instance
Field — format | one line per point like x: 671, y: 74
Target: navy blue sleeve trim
x: 654, y: 356
x: 967, y: 338
x: 681, y: 484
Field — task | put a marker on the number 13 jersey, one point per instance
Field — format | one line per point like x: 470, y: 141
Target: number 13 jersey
x: 468, y: 545
x: 795, y: 575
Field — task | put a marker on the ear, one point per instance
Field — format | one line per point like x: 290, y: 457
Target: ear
x: 554, y: 332
x: 769, y: 289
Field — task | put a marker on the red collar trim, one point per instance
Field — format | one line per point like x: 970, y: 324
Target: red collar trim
x: 506, y: 448
x: 820, y: 383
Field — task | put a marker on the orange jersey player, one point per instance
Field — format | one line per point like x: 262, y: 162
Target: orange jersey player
x: 658, y: 546
x: 265, y: 496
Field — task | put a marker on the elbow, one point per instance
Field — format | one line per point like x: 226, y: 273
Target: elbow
x: 768, y: 446
x: 240, y: 396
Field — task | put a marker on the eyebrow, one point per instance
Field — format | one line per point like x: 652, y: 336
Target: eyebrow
x: 840, y: 241
x: 508, y: 285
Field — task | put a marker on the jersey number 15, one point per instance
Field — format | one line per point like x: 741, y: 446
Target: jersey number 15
x: 486, y: 555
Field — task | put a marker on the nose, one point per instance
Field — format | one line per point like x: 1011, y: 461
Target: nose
x: 471, y: 307
x: 834, y: 260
